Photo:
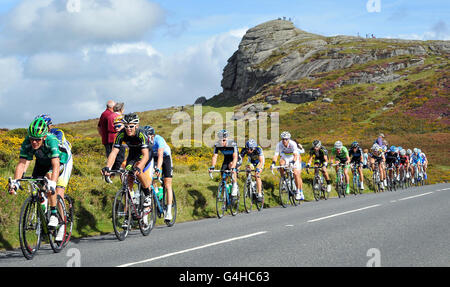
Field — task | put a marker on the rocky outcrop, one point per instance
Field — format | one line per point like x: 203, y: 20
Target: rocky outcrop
x: 276, y: 51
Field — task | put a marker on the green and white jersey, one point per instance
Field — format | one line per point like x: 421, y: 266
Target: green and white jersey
x: 342, y: 156
x: 50, y: 149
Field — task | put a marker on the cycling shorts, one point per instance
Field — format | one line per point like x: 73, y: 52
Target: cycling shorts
x: 289, y: 158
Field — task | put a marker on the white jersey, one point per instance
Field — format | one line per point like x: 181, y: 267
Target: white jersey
x: 288, y: 150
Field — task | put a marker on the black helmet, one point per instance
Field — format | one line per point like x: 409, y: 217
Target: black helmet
x: 316, y: 143
x: 355, y: 144
x: 149, y: 130
x: 131, y: 118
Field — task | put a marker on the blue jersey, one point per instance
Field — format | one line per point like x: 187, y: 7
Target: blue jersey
x: 159, y: 142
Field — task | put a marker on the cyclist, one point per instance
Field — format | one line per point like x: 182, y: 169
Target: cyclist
x: 51, y: 162
x: 424, y: 160
x: 415, y: 161
x: 139, y: 154
x: 357, y: 158
x: 404, y: 162
x: 320, y: 153
x: 162, y: 162
x: 340, y: 153
x: 256, y: 158
x: 377, y: 155
x: 392, y: 159
x: 229, y: 149
x: 290, y: 155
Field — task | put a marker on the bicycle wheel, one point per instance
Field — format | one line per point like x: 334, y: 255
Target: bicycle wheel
x: 30, y: 228
x: 316, y: 187
x: 170, y: 223
x: 284, y: 193
x: 221, y: 200
x: 292, y: 193
x: 259, y: 203
x: 147, y: 214
x: 70, y: 218
x: 248, y: 197
x: 121, y: 215
x: 234, y: 204
x: 355, y: 184
x: 61, y: 213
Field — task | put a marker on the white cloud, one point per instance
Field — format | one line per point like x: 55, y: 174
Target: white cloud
x: 46, y: 25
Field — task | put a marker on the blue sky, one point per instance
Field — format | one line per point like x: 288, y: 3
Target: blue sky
x: 159, y: 53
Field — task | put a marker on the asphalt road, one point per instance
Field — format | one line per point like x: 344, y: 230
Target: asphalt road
x: 402, y: 228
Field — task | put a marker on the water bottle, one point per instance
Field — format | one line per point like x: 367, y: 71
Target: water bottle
x: 44, y: 202
x: 160, y: 193
x: 229, y: 188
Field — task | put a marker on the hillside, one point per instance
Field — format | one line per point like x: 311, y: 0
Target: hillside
x: 328, y: 88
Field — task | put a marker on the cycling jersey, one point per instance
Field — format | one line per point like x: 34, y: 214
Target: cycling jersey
x: 355, y: 155
x: 391, y: 158
x: 135, y: 144
x: 415, y: 159
x: 253, y: 157
x: 378, y: 158
x: 423, y: 158
x: 404, y: 159
x: 289, y: 150
x: 228, y: 150
x: 59, y: 133
x: 50, y: 149
x: 341, y: 156
x: 320, y: 154
x: 159, y: 142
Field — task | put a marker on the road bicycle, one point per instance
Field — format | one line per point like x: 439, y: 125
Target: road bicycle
x: 35, y: 216
x: 287, y: 187
x: 376, y: 178
x: 319, y: 187
x: 224, y: 199
x: 404, y: 177
x: 128, y: 208
x: 391, y: 174
x: 340, y: 180
x: 160, y: 198
x: 251, y: 193
x: 356, y: 180
x: 418, y: 175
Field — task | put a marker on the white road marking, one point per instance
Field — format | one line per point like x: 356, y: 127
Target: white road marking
x: 289, y: 225
x: 409, y: 197
x: 342, y: 213
x: 192, y: 249
x: 443, y: 189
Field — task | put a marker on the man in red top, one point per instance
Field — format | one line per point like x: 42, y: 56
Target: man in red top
x: 105, y: 127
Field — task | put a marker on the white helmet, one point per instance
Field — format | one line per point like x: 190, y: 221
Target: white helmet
x: 338, y: 145
x: 285, y: 135
x: 403, y: 152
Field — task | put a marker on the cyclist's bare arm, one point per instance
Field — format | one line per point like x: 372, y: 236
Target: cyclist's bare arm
x: 214, y: 159
x: 112, y: 157
x: 55, y: 169
x: 20, y: 168
x: 160, y: 158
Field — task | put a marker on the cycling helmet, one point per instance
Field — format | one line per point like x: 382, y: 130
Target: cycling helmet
x: 399, y: 148
x: 131, y: 118
x: 46, y: 118
x: 338, y: 145
x: 403, y: 152
x: 419, y: 151
x: 416, y: 150
x: 149, y: 130
x: 118, y: 120
x: 355, y: 144
x: 392, y: 148
x: 317, y: 144
x: 285, y: 135
x: 38, y: 128
x: 223, y: 134
x: 409, y: 151
x: 251, y: 144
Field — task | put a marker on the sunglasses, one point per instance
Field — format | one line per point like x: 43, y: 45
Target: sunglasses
x: 284, y: 139
x: 36, y: 139
x: 118, y: 126
x: 130, y: 126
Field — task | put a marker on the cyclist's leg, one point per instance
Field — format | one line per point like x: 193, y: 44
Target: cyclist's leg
x: 327, y: 178
x: 167, y: 171
x: 282, y: 162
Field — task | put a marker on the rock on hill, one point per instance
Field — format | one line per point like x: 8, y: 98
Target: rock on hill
x: 275, y: 52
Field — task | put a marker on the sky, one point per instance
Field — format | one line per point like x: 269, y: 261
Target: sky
x: 66, y: 58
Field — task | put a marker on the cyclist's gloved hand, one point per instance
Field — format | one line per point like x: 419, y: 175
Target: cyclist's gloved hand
x: 308, y: 165
x: 51, y: 186
x: 13, y: 187
x: 211, y: 169
x: 137, y: 170
x: 272, y: 165
x: 106, y: 170
x: 325, y: 164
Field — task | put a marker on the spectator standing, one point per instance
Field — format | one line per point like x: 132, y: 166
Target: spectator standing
x: 117, y: 111
x: 106, y: 128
